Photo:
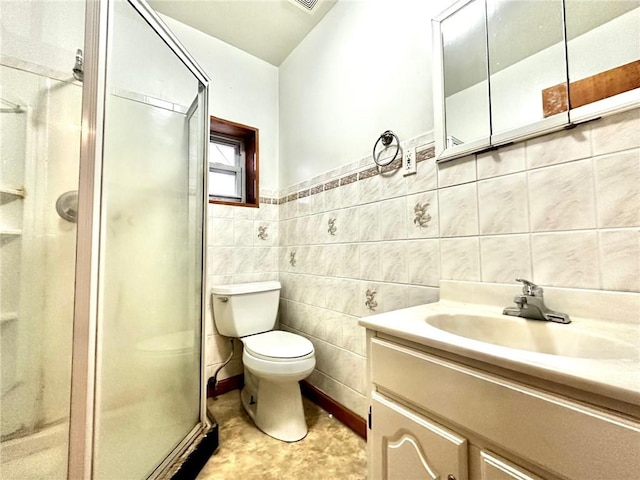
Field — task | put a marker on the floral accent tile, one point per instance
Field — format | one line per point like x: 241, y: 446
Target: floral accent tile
x: 422, y: 217
x: 262, y: 232
x: 332, y: 226
x: 292, y: 259
x: 370, y: 300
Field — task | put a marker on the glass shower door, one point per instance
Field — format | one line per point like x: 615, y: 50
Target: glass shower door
x: 150, y: 269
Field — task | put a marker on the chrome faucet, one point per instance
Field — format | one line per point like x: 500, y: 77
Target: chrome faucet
x: 531, y: 305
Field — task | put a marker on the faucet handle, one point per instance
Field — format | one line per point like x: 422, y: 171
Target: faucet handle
x: 530, y: 288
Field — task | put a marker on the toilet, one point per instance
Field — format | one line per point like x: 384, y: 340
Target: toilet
x: 274, y: 361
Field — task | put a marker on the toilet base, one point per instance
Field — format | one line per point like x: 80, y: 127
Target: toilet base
x: 275, y: 407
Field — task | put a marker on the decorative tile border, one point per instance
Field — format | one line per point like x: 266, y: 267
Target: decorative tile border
x: 346, y: 179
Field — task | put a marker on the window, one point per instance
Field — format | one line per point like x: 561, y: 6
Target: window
x: 233, y: 163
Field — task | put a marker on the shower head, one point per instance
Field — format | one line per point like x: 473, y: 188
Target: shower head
x: 78, y: 67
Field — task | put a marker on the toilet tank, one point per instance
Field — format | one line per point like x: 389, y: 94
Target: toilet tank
x: 245, y: 308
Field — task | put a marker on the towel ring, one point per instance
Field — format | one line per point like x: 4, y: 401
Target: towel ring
x: 386, y: 138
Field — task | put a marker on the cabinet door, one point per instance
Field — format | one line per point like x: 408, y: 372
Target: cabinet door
x: 495, y: 468
x: 407, y: 446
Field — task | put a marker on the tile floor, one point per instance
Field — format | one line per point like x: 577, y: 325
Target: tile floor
x: 329, y: 451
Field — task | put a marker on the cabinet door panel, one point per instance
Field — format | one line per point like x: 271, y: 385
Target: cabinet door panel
x: 407, y: 446
x: 495, y: 468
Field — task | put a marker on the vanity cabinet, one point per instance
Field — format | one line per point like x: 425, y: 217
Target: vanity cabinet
x: 407, y: 445
x: 439, y: 417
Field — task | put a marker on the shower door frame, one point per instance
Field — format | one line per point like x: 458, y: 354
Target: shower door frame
x: 85, y: 325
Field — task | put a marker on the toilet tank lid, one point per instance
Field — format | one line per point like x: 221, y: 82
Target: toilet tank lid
x: 240, y: 288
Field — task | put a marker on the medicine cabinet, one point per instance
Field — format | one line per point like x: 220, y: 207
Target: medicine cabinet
x: 507, y: 70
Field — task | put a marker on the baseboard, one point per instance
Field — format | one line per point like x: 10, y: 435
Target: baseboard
x: 351, y: 419
x: 226, y: 385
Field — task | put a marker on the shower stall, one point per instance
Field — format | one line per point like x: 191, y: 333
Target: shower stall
x: 103, y: 137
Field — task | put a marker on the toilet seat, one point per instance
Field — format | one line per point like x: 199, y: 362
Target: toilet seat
x: 278, y: 346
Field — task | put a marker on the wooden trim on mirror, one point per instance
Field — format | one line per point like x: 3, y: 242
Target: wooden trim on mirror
x: 591, y: 89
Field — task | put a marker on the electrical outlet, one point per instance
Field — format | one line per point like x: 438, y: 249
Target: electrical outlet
x: 409, y: 161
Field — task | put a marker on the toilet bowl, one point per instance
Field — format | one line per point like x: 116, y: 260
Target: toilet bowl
x: 274, y: 364
x: 274, y: 361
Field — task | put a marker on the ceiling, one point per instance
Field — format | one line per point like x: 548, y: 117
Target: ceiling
x: 267, y: 29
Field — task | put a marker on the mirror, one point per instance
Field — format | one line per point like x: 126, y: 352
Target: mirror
x: 526, y: 57
x: 603, y: 50
x: 508, y: 70
x: 464, y: 75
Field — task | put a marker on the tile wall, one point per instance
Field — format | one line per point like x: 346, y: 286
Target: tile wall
x: 242, y: 247
x: 562, y: 210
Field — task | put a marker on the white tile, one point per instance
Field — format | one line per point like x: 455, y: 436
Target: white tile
x: 423, y: 295
x: 460, y: 258
x: 393, y: 219
x: 349, y: 194
x: 221, y: 231
x: 370, y: 261
x: 424, y: 262
x: 353, y: 335
x: 243, y: 232
x: 505, y: 258
x: 425, y: 179
x: 392, y: 184
x: 222, y: 211
x: 567, y: 259
x: 370, y: 189
x: 618, y: 189
x: 333, y: 321
x: 369, y: 222
x: 317, y: 260
x: 559, y: 147
x: 458, y: 210
x: 394, y: 296
x: 334, y: 259
x: 394, y: 261
x: 242, y: 260
x: 422, y: 215
x: 455, y: 172
x: 244, y: 213
x: 343, y: 295
x: 505, y: 160
x: 351, y: 260
x: 620, y: 260
x: 221, y: 260
x: 317, y: 203
x: 562, y: 197
x: 332, y: 199
x: 616, y: 133
x: 304, y: 205
x: 347, y: 223
x: 503, y: 204
x: 265, y: 259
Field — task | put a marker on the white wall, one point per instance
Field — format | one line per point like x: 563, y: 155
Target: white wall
x: 364, y: 69
x: 243, y: 89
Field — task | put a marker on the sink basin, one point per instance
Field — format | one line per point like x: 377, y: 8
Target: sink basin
x: 534, y: 335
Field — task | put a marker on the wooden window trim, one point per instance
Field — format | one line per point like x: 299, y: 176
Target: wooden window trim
x: 250, y: 136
